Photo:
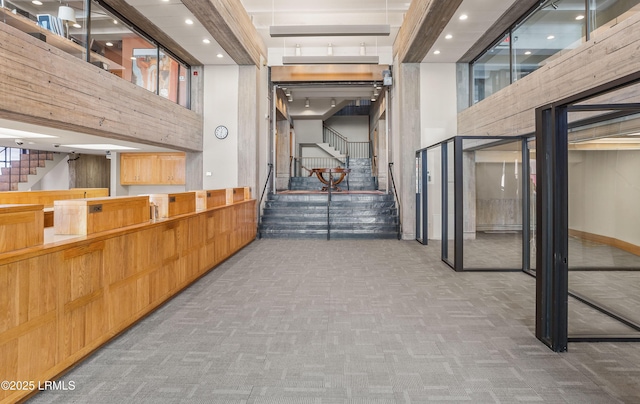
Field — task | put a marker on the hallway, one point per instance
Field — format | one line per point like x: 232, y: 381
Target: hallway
x: 351, y: 321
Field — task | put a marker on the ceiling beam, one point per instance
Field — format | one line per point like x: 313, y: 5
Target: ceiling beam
x: 142, y: 22
x: 314, y: 60
x: 230, y: 25
x: 424, y: 22
x: 279, y: 31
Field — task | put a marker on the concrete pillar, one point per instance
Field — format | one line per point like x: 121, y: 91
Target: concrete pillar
x: 406, y: 140
x: 248, y: 126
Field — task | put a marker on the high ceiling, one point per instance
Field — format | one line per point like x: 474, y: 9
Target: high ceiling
x: 170, y: 16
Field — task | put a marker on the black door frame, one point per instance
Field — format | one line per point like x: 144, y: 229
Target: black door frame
x: 552, y: 227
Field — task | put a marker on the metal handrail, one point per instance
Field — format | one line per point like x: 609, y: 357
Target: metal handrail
x: 266, y: 183
x: 393, y: 183
x: 335, y: 140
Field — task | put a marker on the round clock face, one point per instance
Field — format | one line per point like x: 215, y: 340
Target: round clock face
x: 221, y: 132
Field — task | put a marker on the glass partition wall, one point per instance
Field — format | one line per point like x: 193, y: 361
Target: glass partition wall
x: 484, y: 187
x: 588, y: 279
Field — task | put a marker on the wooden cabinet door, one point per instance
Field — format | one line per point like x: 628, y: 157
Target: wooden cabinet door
x: 152, y: 168
x: 171, y: 168
x: 138, y: 169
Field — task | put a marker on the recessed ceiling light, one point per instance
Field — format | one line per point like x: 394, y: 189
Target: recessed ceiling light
x: 463, y: 17
x: 580, y: 17
x: 448, y: 36
x: 115, y: 21
x: 550, y: 37
x: 436, y: 52
x: 133, y: 58
x: 219, y: 55
x: 527, y: 53
x: 37, y: 2
x: 109, y: 44
x: 206, y: 40
x: 188, y: 21
x: 76, y: 25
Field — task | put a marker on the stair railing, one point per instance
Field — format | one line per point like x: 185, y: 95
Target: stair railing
x: 266, y: 183
x: 393, y: 183
x: 335, y: 140
x: 329, y: 206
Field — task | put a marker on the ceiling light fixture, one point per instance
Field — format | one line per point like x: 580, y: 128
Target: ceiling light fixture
x: 206, y: 41
x: 551, y: 37
x: 463, y: 17
x: 298, y: 50
x: 527, y: 53
x: 448, y: 36
x: 357, y: 102
x: 188, y: 21
x: 37, y: 2
x: 333, y: 103
x: 279, y: 31
x: 363, y: 49
x: 219, y: 55
x: 109, y: 43
x: 436, y: 52
x: 306, y: 103
x: 580, y: 17
x: 76, y: 25
x: 330, y: 50
x: 115, y: 21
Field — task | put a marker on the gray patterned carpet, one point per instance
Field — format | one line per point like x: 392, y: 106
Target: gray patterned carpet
x: 288, y: 321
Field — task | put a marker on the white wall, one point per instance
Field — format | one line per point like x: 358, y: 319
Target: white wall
x: 308, y: 130
x: 354, y: 128
x: 438, y: 103
x: 220, y: 157
x: 604, y: 190
x: 56, y: 178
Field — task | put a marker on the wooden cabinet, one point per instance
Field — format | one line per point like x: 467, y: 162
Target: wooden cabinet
x: 152, y: 168
x: 170, y: 205
x: 21, y: 226
x: 171, y: 168
x: 94, y: 215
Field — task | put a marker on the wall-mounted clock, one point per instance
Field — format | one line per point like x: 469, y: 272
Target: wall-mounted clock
x: 221, y: 132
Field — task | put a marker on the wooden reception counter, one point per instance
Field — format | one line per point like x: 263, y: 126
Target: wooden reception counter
x: 62, y: 300
x: 21, y: 226
x: 94, y: 215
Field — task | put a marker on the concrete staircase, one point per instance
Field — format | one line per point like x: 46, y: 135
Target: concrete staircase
x: 371, y: 215
x: 20, y: 164
x: 360, y: 179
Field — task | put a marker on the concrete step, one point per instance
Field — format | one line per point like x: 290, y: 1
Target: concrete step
x: 351, y: 215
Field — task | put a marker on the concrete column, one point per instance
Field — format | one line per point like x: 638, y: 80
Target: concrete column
x: 406, y: 140
x: 248, y: 126
x: 194, y: 168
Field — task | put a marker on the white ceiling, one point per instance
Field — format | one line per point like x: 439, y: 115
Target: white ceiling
x: 170, y: 16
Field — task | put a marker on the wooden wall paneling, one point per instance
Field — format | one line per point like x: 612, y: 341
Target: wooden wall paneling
x: 511, y: 111
x: 64, y: 301
x: 94, y: 215
x: 28, y: 327
x: 303, y: 73
x: 230, y: 25
x: 21, y: 226
x: 90, y: 171
x: 114, y: 108
x: 425, y: 20
x: 82, y: 300
x: 46, y: 198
